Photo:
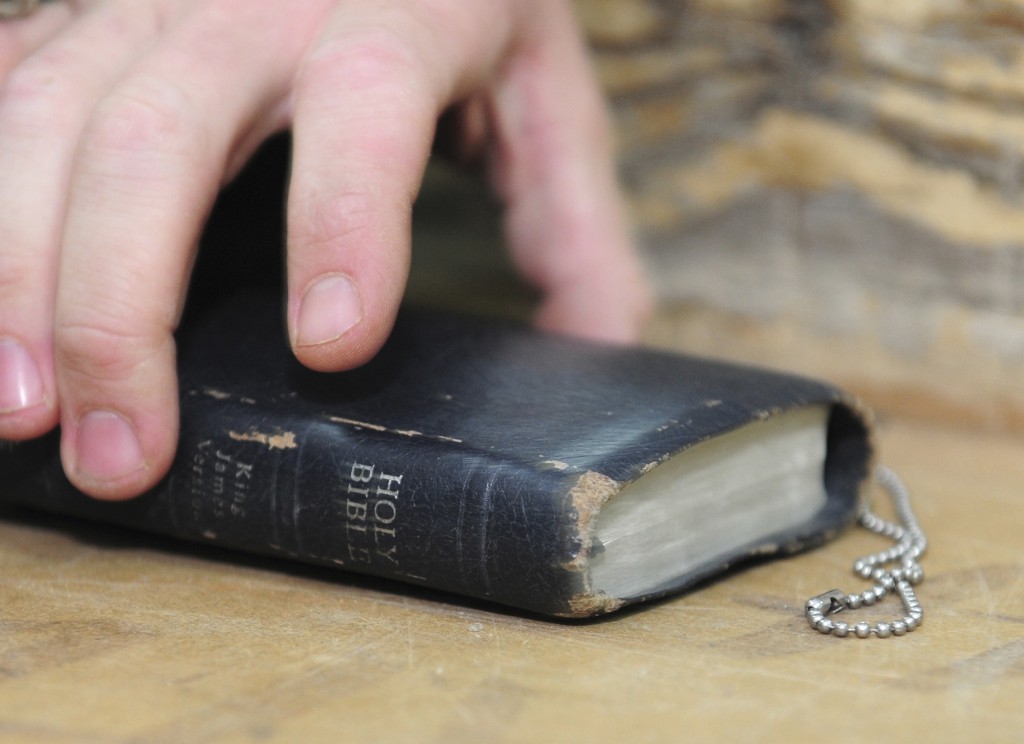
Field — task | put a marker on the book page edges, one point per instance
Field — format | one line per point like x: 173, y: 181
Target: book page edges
x: 593, y: 490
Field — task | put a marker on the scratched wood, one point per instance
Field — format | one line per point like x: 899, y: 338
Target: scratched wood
x: 107, y: 638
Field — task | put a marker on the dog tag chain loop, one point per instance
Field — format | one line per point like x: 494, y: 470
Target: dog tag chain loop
x: 901, y: 579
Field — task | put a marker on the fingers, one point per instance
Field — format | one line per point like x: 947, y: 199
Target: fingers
x: 366, y: 105
x: 109, y: 197
x: 43, y: 108
x: 148, y: 167
x: 19, y: 38
x: 553, y: 166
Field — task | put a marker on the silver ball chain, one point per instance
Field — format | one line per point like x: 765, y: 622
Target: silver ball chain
x: 910, y: 546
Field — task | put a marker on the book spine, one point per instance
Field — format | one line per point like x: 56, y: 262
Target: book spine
x: 399, y: 505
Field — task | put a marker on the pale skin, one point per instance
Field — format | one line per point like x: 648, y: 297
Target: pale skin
x: 120, y: 120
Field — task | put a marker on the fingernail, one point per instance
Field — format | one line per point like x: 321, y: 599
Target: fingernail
x: 21, y: 385
x: 329, y: 308
x: 107, y: 447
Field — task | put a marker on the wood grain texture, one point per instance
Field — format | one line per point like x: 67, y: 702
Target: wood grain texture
x: 847, y: 170
x: 109, y: 638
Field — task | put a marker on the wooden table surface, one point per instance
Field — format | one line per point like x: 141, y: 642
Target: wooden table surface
x: 109, y: 637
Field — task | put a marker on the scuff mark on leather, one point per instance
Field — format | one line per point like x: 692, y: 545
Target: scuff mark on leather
x: 589, y: 495
x: 284, y: 440
x: 400, y: 432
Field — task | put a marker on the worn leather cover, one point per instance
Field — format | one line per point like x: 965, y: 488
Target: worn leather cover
x: 469, y: 456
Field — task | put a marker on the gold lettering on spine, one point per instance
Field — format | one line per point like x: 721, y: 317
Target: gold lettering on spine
x: 371, y: 505
x: 219, y: 485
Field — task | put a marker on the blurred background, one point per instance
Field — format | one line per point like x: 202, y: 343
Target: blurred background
x: 832, y: 185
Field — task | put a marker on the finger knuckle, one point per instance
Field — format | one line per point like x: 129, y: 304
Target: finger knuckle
x: 320, y: 222
x: 103, y: 348
x: 367, y: 59
x: 147, y: 115
x: 34, y: 99
x: 18, y: 277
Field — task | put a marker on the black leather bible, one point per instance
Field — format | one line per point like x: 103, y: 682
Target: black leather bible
x: 488, y: 459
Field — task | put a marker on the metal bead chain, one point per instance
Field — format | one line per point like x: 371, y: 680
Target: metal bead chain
x: 910, y: 546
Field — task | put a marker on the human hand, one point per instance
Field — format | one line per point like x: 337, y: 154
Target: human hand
x: 121, y: 119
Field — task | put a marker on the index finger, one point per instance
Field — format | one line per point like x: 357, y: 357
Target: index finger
x: 366, y: 107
